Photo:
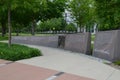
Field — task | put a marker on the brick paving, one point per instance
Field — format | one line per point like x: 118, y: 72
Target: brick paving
x: 20, y: 71
x: 4, y: 61
x: 67, y: 76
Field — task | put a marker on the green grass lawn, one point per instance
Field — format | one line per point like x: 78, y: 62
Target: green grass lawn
x: 92, y: 37
x: 117, y: 63
x: 27, y: 34
x: 3, y: 38
x: 23, y: 34
x: 17, y: 52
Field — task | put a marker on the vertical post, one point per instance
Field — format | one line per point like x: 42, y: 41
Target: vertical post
x: 65, y: 21
x: 9, y: 24
x: 33, y: 27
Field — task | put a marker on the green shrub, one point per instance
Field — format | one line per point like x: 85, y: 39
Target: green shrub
x: 117, y: 62
x: 71, y: 27
x: 91, y: 49
x: 92, y: 37
x: 51, y: 24
x: 17, y: 52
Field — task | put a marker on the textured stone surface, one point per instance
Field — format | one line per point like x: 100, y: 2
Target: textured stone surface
x: 4, y: 61
x: 75, y: 42
x: 50, y: 41
x: 78, y: 42
x: 71, y: 77
x: 18, y: 71
x: 107, y: 45
x: 61, y: 41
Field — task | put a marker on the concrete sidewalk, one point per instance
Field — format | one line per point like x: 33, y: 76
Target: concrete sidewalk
x: 74, y: 63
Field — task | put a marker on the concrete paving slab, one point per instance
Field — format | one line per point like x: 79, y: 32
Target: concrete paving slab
x: 18, y: 71
x: 115, y: 75
x: 73, y: 63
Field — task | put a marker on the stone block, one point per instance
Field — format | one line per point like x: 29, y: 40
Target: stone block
x: 107, y: 45
x: 49, y: 41
x: 80, y: 42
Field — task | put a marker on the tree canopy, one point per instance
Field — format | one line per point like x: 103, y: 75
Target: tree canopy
x: 83, y: 12
x: 108, y: 13
x: 25, y: 12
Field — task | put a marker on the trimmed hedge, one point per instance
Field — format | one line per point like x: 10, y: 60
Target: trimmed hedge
x: 17, y: 52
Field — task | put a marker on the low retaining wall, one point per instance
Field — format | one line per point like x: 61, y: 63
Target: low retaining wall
x: 107, y: 45
x: 74, y: 42
x: 78, y: 42
x: 50, y: 41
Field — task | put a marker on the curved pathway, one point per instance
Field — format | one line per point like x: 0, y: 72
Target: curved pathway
x: 73, y: 63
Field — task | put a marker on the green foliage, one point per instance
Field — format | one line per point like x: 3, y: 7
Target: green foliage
x: 27, y: 12
x: 92, y: 37
x: 17, y: 52
x: 108, y: 13
x: 51, y: 24
x: 71, y: 27
x: 53, y: 9
x: 92, y: 45
x: 117, y: 62
x: 83, y: 12
x: 3, y: 38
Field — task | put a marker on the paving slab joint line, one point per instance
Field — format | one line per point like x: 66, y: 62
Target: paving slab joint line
x: 55, y: 76
x: 110, y: 75
x: 4, y: 64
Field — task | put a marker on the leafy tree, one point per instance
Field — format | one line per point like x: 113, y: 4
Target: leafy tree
x: 51, y: 24
x: 71, y: 27
x: 52, y: 9
x: 34, y: 10
x: 82, y: 11
x: 108, y: 13
x: 6, y: 6
x: 28, y: 14
x: 3, y: 19
x: 25, y: 12
x: 11, y: 5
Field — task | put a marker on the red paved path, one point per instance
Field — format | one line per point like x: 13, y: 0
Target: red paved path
x: 18, y: 71
x: 4, y: 61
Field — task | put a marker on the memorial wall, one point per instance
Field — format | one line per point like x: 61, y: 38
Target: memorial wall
x: 107, y: 45
x: 80, y: 42
x: 50, y: 41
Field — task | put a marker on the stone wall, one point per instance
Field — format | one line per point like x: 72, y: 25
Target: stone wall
x: 50, y: 41
x: 78, y: 42
x: 74, y: 42
x: 107, y: 45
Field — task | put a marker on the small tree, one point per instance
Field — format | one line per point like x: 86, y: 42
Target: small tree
x: 83, y: 12
x: 51, y: 24
x: 71, y: 27
x: 108, y: 14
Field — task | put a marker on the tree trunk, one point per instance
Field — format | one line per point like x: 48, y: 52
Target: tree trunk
x: 17, y: 32
x: 80, y: 29
x: 9, y: 26
x: 33, y: 27
x: 3, y: 29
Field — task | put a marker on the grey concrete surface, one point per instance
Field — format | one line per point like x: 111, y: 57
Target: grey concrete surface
x: 79, y: 42
x: 107, y: 45
x: 50, y: 41
x: 75, y: 63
